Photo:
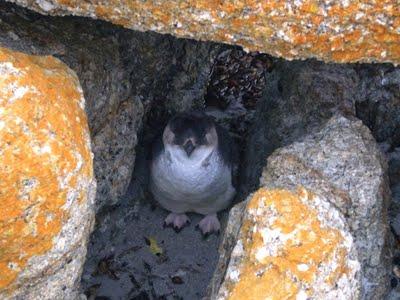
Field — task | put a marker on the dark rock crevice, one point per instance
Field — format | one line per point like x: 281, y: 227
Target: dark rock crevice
x: 378, y: 103
x: 298, y: 98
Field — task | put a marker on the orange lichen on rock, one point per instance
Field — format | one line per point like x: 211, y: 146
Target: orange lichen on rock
x: 44, y: 156
x: 351, y: 27
x: 287, y: 251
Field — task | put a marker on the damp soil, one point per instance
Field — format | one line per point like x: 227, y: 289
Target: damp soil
x: 131, y: 255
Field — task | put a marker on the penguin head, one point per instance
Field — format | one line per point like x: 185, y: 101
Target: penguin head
x: 191, y: 135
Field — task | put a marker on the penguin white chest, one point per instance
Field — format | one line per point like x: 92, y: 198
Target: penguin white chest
x: 191, y: 185
x: 193, y: 178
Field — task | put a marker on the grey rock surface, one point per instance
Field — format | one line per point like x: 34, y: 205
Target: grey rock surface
x: 227, y: 243
x: 123, y: 75
x: 378, y: 106
x: 298, y: 98
x: 378, y: 102
x: 342, y: 163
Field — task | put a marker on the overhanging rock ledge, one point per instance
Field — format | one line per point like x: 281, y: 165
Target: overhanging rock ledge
x: 332, y: 31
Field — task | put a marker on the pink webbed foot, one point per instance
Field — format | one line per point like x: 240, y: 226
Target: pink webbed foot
x: 176, y: 221
x: 209, y: 224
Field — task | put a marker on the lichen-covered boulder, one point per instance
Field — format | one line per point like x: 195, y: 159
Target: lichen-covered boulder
x: 343, y: 162
x: 341, y: 166
x: 47, y: 187
x: 341, y: 31
x: 292, y: 245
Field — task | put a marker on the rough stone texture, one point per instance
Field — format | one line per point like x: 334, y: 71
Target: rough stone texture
x: 299, y: 97
x: 123, y: 75
x: 344, y: 161
x: 47, y: 186
x: 340, y: 31
x: 378, y: 106
x: 394, y: 166
x: 226, y: 246
x: 394, y: 176
x: 378, y: 102
x: 342, y: 164
x: 292, y: 245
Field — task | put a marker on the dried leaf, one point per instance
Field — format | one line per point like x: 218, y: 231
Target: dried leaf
x: 154, y: 248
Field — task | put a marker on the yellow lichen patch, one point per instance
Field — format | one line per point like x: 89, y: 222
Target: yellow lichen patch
x: 273, y: 284
x: 264, y: 26
x: 44, y: 155
x: 287, y: 249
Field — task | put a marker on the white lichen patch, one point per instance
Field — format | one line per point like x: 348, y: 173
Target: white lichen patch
x: 17, y: 92
x: 303, y: 267
x: 273, y: 239
x: 12, y: 90
x: 204, y: 16
x: 8, y: 69
x: 302, y: 295
x: 46, y: 5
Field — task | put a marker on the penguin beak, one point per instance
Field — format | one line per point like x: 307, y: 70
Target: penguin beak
x: 188, y: 147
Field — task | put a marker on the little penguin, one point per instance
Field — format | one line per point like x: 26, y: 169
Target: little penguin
x: 192, y: 170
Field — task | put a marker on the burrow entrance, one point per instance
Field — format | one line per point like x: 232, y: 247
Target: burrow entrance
x: 131, y: 255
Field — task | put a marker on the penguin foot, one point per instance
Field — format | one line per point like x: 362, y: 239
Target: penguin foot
x: 176, y: 221
x: 209, y: 224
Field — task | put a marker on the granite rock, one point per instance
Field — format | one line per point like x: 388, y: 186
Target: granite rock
x: 343, y: 167
x: 339, y: 31
x: 292, y: 245
x: 299, y: 97
x: 47, y: 186
x: 378, y: 102
x: 344, y: 161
